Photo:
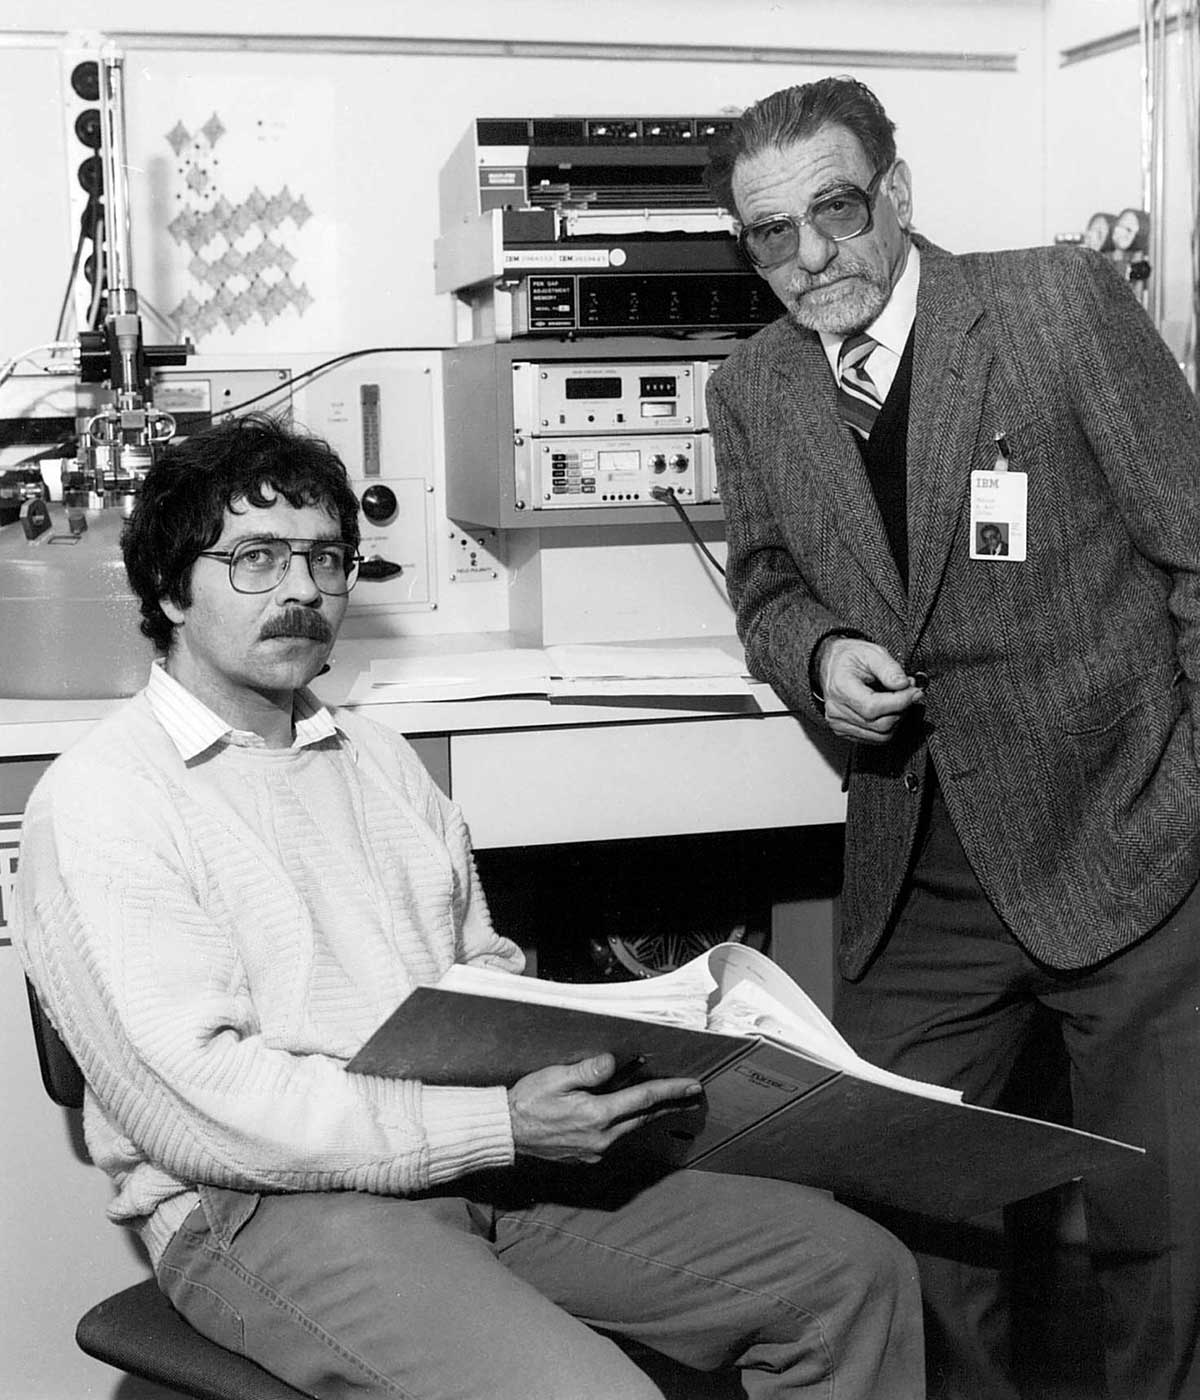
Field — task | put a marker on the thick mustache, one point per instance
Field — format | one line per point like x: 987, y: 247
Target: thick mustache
x: 811, y: 284
x: 298, y: 623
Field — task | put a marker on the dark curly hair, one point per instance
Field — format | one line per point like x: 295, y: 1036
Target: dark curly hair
x: 181, y: 504
x: 794, y: 114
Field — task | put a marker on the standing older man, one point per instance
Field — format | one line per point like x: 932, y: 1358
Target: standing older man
x: 225, y: 888
x: 1023, y: 833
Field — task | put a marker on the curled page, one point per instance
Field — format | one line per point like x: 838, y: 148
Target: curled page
x: 748, y: 1009
x: 677, y: 998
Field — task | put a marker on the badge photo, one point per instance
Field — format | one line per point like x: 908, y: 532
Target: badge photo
x: 998, y: 502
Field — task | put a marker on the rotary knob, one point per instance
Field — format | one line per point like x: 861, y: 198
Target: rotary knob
x: 379, y: 504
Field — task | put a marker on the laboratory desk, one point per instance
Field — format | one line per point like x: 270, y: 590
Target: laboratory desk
x: 529, y: 771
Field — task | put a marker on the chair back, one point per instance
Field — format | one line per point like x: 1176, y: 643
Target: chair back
x: 60, y: 1074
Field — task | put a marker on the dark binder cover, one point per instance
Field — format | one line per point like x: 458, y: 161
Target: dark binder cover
x: 444, y: 1037
x: 869, y: 1143
x: 769, y: 1110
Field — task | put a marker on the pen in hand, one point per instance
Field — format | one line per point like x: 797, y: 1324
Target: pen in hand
x: 627, y: 1073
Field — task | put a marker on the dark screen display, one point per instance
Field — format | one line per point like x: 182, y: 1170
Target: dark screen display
x: 594, y: 387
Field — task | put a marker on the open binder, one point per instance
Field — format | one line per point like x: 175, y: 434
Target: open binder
x: 784, y: 1095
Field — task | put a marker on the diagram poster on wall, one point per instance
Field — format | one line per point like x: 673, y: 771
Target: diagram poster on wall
x: 233, y: 198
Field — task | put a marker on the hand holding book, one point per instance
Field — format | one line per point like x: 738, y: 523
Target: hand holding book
x: 784, y: 1095
x: 577, y: 1112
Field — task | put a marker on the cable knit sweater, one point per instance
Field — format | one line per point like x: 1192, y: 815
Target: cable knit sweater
x: 214, y: 939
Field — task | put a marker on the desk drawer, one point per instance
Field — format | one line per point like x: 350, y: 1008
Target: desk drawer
x: 620, y: 782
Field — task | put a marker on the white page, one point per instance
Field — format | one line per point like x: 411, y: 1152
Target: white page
x: 465, y: 676
x: 579, y: 661
x: 746, y: 1009
x: 672, y: 999
x: 732, y: 963
x: 679, y: 686
x: 732, y: 989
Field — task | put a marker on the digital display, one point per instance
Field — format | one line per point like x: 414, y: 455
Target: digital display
x: 660, y: 387
x: 624, y: 461
x: 594, y: 387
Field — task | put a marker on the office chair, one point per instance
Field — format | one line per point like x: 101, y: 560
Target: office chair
x: 139, y: 1332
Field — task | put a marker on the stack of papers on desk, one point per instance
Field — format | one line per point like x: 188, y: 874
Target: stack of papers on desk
x: 586, y: 672
x: 470, y: 676
x: 577, y: 672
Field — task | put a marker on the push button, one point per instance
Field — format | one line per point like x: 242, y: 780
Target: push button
x: 911, y: 782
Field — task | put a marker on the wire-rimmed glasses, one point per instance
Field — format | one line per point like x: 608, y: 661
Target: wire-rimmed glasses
x: 260, y: 565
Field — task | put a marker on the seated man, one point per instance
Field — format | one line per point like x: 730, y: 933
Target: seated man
x: 224, y: 890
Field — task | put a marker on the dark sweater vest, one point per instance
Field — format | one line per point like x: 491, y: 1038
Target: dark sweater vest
x: 885, y: 456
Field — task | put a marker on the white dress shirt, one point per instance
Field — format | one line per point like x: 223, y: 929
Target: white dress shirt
x: 890, y: 329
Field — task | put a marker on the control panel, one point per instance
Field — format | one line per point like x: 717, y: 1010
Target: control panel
x: 606, y: 471
x: 603, y: 397
x: 654, y: 303
x: 604, y: 433
x: 377, y: 413
x: 559, y: 434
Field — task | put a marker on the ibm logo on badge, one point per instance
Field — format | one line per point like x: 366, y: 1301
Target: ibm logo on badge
x: 10, y: 836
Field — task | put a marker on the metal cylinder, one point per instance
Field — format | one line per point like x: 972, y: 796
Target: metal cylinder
x: 114, y: 160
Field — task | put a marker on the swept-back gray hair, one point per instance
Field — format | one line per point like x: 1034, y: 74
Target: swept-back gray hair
x: 795, y: 113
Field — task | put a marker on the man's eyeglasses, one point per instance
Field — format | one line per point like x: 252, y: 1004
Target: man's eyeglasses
x: 259, y: 566
x: 843, y: 213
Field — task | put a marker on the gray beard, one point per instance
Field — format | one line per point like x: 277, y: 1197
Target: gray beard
x: 849, y: 315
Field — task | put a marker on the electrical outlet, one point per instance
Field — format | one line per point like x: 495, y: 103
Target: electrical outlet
x: 474, y: 556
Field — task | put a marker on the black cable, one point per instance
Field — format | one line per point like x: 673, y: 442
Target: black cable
x: 328, y: 364
x: 99, y: 286
x: 667, y: 493
x: 65, y: 448
x: 379, y: 350
x: 74, y: 273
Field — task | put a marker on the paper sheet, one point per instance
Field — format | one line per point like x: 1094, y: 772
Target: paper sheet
x: 682, y: 997
x: 748, y: 1010
x: 577, y: 662
x: 676, y: 999
x: 564, y: 672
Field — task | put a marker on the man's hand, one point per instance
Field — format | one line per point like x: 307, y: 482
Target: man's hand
x: 865, y: 689
x: 558, y: 1115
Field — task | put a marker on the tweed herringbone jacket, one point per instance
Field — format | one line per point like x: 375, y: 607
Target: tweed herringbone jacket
x: 1061, y: 704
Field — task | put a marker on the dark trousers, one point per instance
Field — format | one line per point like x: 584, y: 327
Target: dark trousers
x: 952, y: 998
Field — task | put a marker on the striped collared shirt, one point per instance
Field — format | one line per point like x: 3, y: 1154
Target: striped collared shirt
x: 193, y: 728
x: 890, y: 329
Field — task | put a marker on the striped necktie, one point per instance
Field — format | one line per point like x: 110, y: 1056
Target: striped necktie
x: 858, y: 398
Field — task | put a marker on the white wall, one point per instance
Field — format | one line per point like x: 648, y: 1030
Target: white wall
x: 60, y: 1254
x: 1094, y: 153
x: 380, y: 124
